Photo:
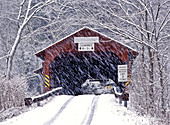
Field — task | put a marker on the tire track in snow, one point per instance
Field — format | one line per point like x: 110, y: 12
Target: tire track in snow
x: 89, y: 115
x: 60, y: 111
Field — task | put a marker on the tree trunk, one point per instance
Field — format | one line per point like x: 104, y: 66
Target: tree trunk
x: 151, y: 78
x: 12, y: 52
x: 163, y: 103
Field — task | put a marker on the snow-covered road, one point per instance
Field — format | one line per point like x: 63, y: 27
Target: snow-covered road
x: 76, y: 111
x: 79, y: 110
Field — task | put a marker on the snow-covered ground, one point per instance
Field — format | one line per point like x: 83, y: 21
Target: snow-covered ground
x: 79, y: 110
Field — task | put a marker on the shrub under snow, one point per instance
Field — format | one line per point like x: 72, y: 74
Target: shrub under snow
x: 12, y: 94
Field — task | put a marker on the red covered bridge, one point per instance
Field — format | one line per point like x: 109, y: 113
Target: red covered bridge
x: 85, y: 54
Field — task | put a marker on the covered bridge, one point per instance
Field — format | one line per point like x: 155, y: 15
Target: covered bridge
x: 85, y: 54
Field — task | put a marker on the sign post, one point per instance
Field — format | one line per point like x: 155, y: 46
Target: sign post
x: 122, y: 73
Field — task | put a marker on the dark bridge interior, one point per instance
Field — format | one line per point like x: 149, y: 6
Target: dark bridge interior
x: 71, y: 70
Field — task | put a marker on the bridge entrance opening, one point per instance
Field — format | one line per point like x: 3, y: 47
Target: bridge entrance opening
x: 71, y: 70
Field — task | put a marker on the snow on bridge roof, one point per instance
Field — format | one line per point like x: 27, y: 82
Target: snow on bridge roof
x: 41, y: 52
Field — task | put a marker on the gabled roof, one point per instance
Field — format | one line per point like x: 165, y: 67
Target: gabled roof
x: 41, y: 52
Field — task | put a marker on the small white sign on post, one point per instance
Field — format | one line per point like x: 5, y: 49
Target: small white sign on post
x: 122, y: 73
x: 86, y: 47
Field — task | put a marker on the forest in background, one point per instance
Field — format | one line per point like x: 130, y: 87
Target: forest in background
x: 27, y: 26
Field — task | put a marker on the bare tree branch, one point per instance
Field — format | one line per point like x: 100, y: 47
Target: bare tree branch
x: 124, y: 19
x: 20, y: 10
x: 6, y: 56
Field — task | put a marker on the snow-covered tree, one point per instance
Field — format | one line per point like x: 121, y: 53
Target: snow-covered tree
x: 33, y: 21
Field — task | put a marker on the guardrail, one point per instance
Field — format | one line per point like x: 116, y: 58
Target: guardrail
x: 31, y: 100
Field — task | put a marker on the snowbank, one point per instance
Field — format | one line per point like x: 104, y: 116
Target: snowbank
x: 109, y: 112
